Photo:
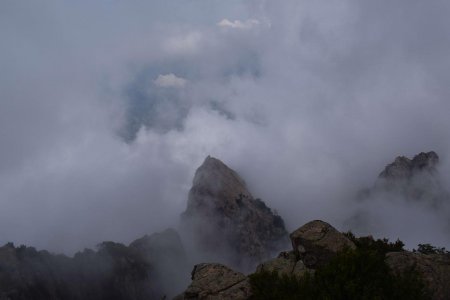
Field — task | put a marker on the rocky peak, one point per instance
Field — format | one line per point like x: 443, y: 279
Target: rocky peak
x: 415, y: 179
x: 226, y: 223
x: 404, y: 168
x: 216, y: 184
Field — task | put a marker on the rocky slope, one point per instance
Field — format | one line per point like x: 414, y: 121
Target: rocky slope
x: 216, y: 281
x: 316, y: 242
x: 435, y: 269
x: 226, y: 222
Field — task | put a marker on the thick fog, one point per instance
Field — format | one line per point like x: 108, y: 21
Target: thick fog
x: 107, y: 109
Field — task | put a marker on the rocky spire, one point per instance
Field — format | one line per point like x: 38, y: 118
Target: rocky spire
x: 404, y: 168
x: 415, y: 179
x: 226, y: 222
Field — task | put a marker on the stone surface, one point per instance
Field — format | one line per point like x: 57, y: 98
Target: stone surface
x: 287, y: 263
x: 434, y: 268
x: 226, y: 223
x: 414, y: 180
x: 317, y: 242
x: 404, y: 167
x: 216, y: 281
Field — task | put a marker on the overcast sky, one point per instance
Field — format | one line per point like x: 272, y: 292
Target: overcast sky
x: 108, y: 107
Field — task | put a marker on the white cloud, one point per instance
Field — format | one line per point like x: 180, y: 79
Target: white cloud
x: 170, y: 80
x: 348, y: 86
x: 236, y: 24
x: 183, y: 44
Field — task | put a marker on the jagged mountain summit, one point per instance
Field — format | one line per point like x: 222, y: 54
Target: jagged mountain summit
x: 413, y: 180
x: 226, y: 222
x: 404, y: 168
x: 406, y: 184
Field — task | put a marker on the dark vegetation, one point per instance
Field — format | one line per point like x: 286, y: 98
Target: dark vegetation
x: 113, y: 272
x: 352, y: 274
x: 430, y: 249
x: 380, y: 246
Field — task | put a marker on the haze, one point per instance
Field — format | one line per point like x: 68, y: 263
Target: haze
x: 107, y: 109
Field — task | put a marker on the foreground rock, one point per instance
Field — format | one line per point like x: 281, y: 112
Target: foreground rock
x: 434, y: 269
x: 226, y: 223
x: 317, y: 242
x: 287, y: 263
x: 216, y: 282
x: 314, y: 245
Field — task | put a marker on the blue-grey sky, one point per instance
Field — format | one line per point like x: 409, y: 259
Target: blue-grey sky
x: 108, y: 107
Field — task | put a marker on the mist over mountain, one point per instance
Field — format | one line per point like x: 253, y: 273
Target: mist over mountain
x: 107, y: 109
x: 409, y: 197
x: 222, y: 224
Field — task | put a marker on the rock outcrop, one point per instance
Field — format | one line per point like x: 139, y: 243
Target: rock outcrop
x: 414, y: 180
x: 404, y: 168
x: 216, y: 282
x: 317, y: 242
x: 414, y: 183
x: 434, y: 269
x: 287, y: 263
x: 227, y: 224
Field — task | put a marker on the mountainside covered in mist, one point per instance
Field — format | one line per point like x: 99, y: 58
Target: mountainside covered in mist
x: 223, y: 229
x: 222, y: 222
x: 405, y: 188
x: 141, y: 270
x: 324, y: 263
x: 416, y: 179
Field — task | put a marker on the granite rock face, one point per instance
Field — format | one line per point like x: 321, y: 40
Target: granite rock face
x: 434, y: 269
x: 413, y: 183
x: 404, y: 168
x: 287, y: 263
x: 216, y: 282
x: 317, y: 242
x: 226, y: 223
x: 415, y: 180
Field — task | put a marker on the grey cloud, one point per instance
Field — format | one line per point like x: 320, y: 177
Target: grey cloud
x: 308, y: 110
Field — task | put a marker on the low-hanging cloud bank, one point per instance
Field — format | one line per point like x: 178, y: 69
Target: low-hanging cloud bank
x: 306, y: 101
